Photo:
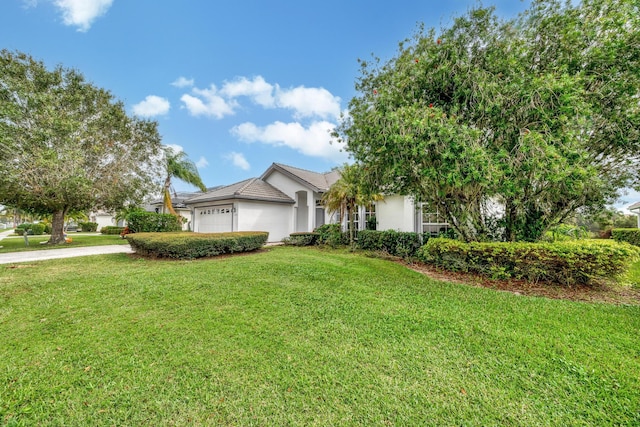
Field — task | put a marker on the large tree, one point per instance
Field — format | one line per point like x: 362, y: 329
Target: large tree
x: 178, y: 165
x: 67, y: 145
x: 526, y: 120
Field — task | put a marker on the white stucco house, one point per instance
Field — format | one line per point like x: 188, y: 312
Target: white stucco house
x: 286, y: 199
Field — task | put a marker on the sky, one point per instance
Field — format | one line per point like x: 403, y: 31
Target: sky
x: 237, y: 85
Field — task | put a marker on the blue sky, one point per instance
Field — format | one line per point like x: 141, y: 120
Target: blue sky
x: 237, y: 85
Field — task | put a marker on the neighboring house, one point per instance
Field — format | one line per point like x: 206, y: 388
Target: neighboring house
x: 178, y: 203
x: 102, y: 218
x: 635, y: 209
x: 286, y: 199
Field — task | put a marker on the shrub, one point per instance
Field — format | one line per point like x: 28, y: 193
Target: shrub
x: 332, y: 235
x: 111, y: 229
x: 151, y: 222
x: 186, y: 245
x: 23, y: 228
x: 397, y: 243
x: 301, y: 239
x: 629, y: 235
x: 37, y: 229
x: 88, y: 227
x: 570, y: 262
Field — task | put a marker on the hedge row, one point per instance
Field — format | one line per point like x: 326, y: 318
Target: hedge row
x: 569, y: 262
x: 88, y: 227
x: 398, y: 243
x: 185, y: 245
x: 36, y: 229
x: 629, y: 235
x: 111, y: 229
x: 151, y: 222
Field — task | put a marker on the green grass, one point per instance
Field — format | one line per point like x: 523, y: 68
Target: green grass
x: 299, y: 336
x: 16, y: 243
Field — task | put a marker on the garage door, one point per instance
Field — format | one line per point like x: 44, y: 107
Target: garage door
x: 214, y: 219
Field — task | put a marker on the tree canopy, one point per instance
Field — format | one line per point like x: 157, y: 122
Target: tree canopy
x: 67, y: 145
x: 521, y: 121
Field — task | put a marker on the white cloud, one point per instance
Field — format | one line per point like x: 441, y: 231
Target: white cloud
x: 182, y: 82
x: 82, y: 13
x: 309, y: 102
x: 257, y: 89
x: 175, y: 147
x: 202, y: 163
x: 152, y: 106
x: 207, y: 102
x: 238, y: 160
x: 314, y: 140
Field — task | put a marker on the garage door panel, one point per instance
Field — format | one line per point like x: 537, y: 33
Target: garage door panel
x: 214, y: 219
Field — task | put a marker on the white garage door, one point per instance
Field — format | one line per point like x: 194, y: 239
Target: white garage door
x: 214, y: 219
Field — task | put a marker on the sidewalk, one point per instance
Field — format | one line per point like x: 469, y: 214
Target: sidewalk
x: 29, y: 256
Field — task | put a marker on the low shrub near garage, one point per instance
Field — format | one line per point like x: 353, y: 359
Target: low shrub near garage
x: 152, y: 222
x: 111, y: 229
x: 567, y: 262
x: 629, y: 235
x: 186, y: 245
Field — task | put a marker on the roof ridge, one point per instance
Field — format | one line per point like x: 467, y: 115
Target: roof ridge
x: 245, y: 186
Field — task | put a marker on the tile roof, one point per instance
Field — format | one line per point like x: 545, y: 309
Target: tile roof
x: 634, y: 206
x: 319, y: 182
x: 249, y: 189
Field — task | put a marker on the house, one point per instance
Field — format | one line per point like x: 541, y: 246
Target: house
x: 286, y: 199
x: 178, y: 202
x: 635, y: 209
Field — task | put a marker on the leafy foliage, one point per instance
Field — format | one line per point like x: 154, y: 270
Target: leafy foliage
x: 195, y: 245
x: 629, y: 235
x: 88, y: 226
x: 178, y: 165
x: 140, y: 221
x: 539, y: 115
x: 66, y: 145
x: 392, y: 242
x: 111, y: 229
x: 569, y: 262
x: 301, y: 239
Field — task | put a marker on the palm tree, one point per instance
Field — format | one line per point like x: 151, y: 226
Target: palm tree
x: 347, y: 193
x: 179, y: 166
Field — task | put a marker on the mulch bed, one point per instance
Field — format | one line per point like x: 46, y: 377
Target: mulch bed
x: 603, y: 293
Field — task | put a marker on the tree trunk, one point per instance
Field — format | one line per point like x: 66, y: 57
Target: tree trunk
x: 57, y: 228
x: 511, y: 216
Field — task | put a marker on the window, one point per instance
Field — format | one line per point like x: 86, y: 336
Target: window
x: 433, y: 222
x: 370, y: 217
x: 356, y: 220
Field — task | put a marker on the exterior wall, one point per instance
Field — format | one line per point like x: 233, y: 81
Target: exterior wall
x: 396, y: 213
x: 276, y: 218
x: 102, y: 220
x: 291, y: 187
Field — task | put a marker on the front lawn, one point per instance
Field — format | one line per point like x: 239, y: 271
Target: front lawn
x: 16, y: 243
x: 302, y: 336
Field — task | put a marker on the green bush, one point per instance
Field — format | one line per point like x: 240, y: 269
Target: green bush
x: 332, y: 235
x: 37, y: 229
x: 629, y: 235
x: 568, y: 262
x: 151, y: 222
x: 301, y: 239
x: 22, y: 228
x: 187, y: 245
x: 88, y: 227
x: 111, y: 229
x: 397, y: 243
